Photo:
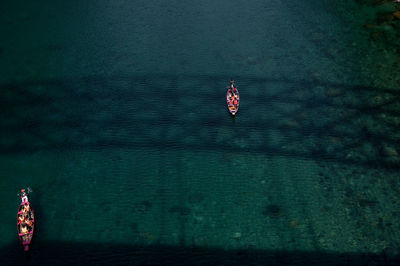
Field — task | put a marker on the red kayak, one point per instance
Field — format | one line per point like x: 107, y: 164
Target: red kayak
x: 232, y: 98
x: 25, y: 221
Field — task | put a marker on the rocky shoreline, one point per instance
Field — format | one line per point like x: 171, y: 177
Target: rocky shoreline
x: 367, y: 194
x: 382, y: 27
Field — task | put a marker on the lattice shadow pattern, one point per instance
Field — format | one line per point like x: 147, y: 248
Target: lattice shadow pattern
x: 299, y: 118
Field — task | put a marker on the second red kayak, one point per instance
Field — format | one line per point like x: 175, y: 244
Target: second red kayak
x: 25, y: 221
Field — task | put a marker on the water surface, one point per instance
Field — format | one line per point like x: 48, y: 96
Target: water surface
x: 114, y: 114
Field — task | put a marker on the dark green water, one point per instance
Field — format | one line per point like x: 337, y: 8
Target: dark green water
x: 114, y: 114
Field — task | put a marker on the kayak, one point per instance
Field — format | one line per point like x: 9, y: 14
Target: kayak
x: 233, y: 100
x: 25, y: 221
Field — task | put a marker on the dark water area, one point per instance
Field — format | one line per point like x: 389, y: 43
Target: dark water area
x: 114, y: 113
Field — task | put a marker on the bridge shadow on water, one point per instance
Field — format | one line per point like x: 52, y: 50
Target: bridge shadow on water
x: 312, y: 119
x: 69, y: 253
x: 298, y: 118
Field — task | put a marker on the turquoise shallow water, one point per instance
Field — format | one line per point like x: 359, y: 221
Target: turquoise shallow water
x: 114, y: 114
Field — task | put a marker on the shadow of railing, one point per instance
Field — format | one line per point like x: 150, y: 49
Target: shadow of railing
x: 70, y: 253
x: 298, y: 118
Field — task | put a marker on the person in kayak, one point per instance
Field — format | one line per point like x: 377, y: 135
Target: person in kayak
x: 29, y: 224
x: 24, y: 196
x: 232, y: 88
x: 21, y: 219
x: 235, y: 100
x: 24, y: 229
x: 27, y: 211
x: 232, y: 85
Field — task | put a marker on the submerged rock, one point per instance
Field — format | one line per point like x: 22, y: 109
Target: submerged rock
x: 252, y: 60
x: 134, y: 227
x: 294, y: 223
x: 333, y: 92
x: 366, y: 203
x: 143, y: 206
x: 377, y: 35
x: 181, y: 210
x: 290, y: 124
x: 196, y: 198
x: 272, y: 211
x: 389, y: 151
x: 384, y: 6
x: 378, y: 100
x: 237, y: 235
x: 147, y: 236
x: 391, y: 155
x: 390, y: 252
x: 316, y: 36
x: 385, y: 18
x: 369, y: 26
